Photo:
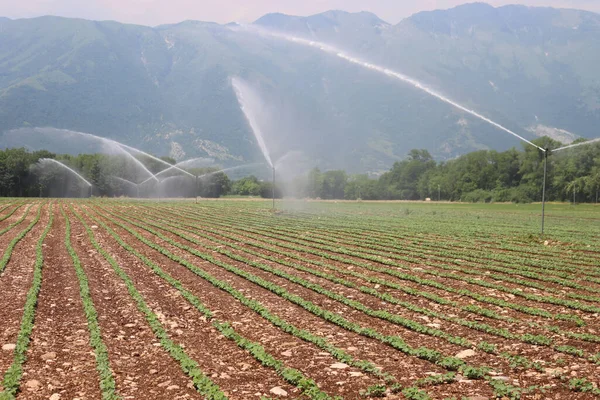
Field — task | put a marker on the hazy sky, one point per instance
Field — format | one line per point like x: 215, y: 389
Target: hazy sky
x: 155, y: 12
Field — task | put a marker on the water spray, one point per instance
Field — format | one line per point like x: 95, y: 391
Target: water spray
x: 113, y: 143
x: 242, y: 92
x: 136, y: 185
x: 69, y: 169
x: 397, y: 75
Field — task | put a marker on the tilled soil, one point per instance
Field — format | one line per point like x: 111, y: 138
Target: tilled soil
x: 142, y: 369
x: 60, y: 359
x: 15, y: 282
x: 61, y: 362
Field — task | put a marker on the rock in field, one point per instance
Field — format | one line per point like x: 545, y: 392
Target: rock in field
x: 9, y: 347
x: 465, y: 354
x: 33, y: 384
x: 278, y: 391
x: 49, y: 356
x: 339, y: 366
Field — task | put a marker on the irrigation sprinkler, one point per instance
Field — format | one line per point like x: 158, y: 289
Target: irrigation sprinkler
x: 273, y: 188
x: 546, y: 151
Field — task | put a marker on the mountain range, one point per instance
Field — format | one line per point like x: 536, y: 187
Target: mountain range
x: 168, y: 90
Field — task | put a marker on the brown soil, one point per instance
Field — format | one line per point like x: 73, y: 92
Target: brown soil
x: 60, y: 357
x: 15, y: 282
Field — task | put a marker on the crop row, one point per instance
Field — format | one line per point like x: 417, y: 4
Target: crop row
x: 285, y: 256
x: 107, y: 380
x: 9, y: 249
x: 252, y: 304
x: 260, y: 242
x: 11, y: 212
x: 384, y: 231
x: 438, y: 250
x: 396, y: 342
x: 410, y: 324
x: 422, y: 353
x: 12, y: 377
x: 9, y: 227
x: 202, y: 383
x: 332, y: 254
x: 372, y: 252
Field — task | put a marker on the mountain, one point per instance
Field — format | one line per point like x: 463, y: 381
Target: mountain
x: 167, y: 89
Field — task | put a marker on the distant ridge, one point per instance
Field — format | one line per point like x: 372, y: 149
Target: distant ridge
x: 167, y: 89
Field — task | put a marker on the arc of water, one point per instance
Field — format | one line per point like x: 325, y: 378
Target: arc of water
x: 124, y: 180
x: 135, y: 160
x: 254, y: 126
x: 152, y: 157
x: 577, y: 145
x: 179, y: 164
x: 333, y: 51
x: 51, y: 160
x: 231, y: 169
x: 113, y: 143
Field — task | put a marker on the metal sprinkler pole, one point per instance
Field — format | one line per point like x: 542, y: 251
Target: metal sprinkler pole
x: 544, y: 189
x: 273, y: 188
x: 196, y: 192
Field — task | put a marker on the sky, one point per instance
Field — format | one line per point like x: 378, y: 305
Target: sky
x: 156, y: 12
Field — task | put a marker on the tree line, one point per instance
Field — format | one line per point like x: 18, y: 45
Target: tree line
x: 481, y: 176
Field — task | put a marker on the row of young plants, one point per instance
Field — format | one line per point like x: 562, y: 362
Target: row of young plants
x: 386, y: 258
x: 285, y: 256
x: 501, y: 389
x: 439, y: 247
x: 450, y: 363
x: 384, y: 230
x: 204, y: 385
x: 534, y: 339
x: 441, y: 300
x: 380, y: 314
x: 9, y: 249
x: 252, y: 304
x: 371, y: 252
x: 298, y: 245
x: 12, y: 377
x: 293, y: 376
x: 410, y: 324
x: 439, y: 250
x: 107, y: 379
x: 438, y: 258
x: 9, y: 227
x: 11, y: 212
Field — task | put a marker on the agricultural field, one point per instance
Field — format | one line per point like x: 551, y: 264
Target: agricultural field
x: 107, y: 299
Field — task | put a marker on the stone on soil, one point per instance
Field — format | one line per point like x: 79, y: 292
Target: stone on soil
x: 49, y: 356
x: 339, y: 366
x: 278, y: 391
x: 9, y: 347
x: 33, y: 384
x: 465, y: 354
